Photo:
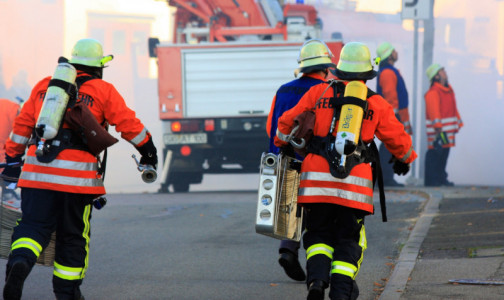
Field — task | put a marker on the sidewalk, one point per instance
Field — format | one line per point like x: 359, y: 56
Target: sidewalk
x: 456, y: 248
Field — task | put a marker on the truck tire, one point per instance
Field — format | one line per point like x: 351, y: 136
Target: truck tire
x: 163, y: 189
x: 180, y: 186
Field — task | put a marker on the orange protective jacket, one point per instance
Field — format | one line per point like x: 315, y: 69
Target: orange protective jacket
x: 441, y: 114
x: 73, y: 171
x: 8, y: 112
x: 388, y: 84
x: 317, y: 184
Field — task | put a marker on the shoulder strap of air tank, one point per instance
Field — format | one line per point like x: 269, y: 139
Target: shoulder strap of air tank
x: 370, y: 93
x: 79, y: 81
x: 103, y: 162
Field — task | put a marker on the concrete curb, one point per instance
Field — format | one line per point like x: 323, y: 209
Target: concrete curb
x: 407, y: 258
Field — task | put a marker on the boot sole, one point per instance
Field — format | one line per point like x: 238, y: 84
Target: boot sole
x: 14, y: 284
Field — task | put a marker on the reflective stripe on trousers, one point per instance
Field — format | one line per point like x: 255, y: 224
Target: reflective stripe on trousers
x: 347, y: 269
x: 319, y: 249
x: 28, y: 243
x: 76, y: 273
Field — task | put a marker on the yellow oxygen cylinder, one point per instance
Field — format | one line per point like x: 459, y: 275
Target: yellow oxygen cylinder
x: 55, y: 104
x: 350, y: 122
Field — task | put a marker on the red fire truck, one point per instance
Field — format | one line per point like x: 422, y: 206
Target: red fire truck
x: 217, y: 78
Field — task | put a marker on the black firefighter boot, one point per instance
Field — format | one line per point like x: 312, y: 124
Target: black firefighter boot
x: 343, y: 288
x: 17, y: 272
x: 67, y: 289
x: 290, y: 263
x: 316, y: 290
x: 317, y: 268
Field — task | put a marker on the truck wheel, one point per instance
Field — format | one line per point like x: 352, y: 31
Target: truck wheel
x: 163, y: 189
x: 181, y: 186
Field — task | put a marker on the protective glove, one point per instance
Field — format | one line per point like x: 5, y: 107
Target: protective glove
x: 11, y: 173
x: 399, y: 167
x: 149, y: 154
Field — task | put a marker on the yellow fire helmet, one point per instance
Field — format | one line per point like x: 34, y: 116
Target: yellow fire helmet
x: 314, y: 54
x: 355, y: 62
x: 384, y: 50
x: 432, y: 70
x: 89, y: 52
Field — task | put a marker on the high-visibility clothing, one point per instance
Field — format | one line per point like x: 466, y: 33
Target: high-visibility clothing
x: 317, y: 184
x: 335, y: 241
x: 45, y: 212
x: 8, y: 112
x: 390, y: 85
x: 286, y: 97
x: 441, y: 114
x: 73, y: 171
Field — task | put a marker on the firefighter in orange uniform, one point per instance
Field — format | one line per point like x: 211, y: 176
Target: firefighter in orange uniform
x: 443, y: 122
x: 336, y: 203
x: 57, y: 195
x: 390, y: 85
x: 9, y: 110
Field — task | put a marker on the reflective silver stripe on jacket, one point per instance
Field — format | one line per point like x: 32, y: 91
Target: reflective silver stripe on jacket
x: 445, y: 128
x: 140, y: 137
x: 407, y: 155
x: 281, y: 136
x: 430, y: 122
x: 58, y: 179
x: 443, y: 120
x: 321, y: 176
x: 19, y: 139
x: 63, y: 164
x: 335, y: 192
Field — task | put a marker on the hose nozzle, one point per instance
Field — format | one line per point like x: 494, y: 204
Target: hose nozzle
x: 149, y: 174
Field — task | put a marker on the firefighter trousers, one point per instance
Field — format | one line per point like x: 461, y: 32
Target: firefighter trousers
x: 335, y: 240
x: 44, y: 212
x: 435, y: 166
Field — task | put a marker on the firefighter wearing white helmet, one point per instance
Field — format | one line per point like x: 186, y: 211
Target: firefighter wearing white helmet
x: 443, y: 122
x: 391, y: 86
x: 59, y: 186
x: 315, y: 58
x: 337, y: 200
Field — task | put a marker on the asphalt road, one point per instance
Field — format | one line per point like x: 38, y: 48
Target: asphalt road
x: 203, y: 245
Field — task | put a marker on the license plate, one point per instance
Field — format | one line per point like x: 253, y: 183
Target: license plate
x: 193, y: 138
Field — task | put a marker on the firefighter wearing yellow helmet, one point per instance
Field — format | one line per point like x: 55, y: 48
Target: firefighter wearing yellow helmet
x: 315, y: 58
x: 391, y: 86
x: 337, y: 200
x: 59, y: 186
x: 314, y: 55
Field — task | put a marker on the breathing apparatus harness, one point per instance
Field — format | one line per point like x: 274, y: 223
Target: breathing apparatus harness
x: 67, y: 138
x: 325, y: 146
